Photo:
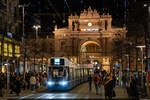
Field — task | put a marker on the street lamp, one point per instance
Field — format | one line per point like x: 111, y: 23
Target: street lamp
x: 22, y: 6
x: 36, y: 27
x: 141, y: 47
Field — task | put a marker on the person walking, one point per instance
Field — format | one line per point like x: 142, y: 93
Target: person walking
x: 18, y: 86
x: 90, y: 82
x: 134, y: 87
x: 1, y: 85
x: 124, y: 81
x: 96, y: 79
x: 32, y: 82
x: 108, y: 86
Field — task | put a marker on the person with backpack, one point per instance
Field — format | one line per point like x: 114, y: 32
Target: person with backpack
x: 96, y: 79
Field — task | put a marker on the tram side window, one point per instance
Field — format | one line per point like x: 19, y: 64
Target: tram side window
x: 81, y: 73
x: 74, y: 72
x: 85, y: 72
x: 78, y: 73
x: 50, y: 72
x: 66, y: 73
x: 70, y: 73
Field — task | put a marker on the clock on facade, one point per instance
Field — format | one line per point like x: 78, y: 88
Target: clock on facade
x: 89, y: 24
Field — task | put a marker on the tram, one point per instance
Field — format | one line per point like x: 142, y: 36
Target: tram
x: 64, y: 75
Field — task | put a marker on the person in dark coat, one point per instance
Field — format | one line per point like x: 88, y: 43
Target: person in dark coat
x: 108, y: 86
x: 1, y: 86
x: 90, y: 82
x: 96, y: 79
x: 134, y: 87
x: 18, y: 86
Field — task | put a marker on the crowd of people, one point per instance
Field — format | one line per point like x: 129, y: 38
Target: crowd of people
x: 33, y: 81
x: 109, y: 81
x: 102, y: 78
x: 18, y: 82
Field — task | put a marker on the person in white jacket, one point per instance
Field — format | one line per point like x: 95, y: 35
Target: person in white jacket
x: 32, y: 82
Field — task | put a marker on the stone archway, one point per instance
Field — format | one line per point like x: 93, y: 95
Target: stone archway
x: 90, y: 51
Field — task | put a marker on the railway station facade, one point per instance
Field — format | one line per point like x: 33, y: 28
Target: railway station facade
x: 89, y: 38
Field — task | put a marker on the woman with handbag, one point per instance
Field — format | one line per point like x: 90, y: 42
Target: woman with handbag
x: 108, y: 86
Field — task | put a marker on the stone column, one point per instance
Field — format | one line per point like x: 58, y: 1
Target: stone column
x: 70, y: 23
x: 109, y: 21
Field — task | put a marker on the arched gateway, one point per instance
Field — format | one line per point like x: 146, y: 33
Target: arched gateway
x: 88, y: 38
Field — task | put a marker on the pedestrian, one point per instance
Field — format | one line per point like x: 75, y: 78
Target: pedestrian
x: 37, y: 82
x: 45, y: 80
x: 1, y: 85
x: 24, y: 84
x: 134, y: 87
x: 32, y: 82
x: 90, y: 82
x: 18, y: 86
x: 28, y: 80
x: 124, y: 81
x: 96, y: 79
x: 114, y: 80
x: 108, y: 86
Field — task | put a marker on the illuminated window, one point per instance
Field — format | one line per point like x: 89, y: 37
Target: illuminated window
x: 17, y: 50
x: 10, y: 50
x: 5, y: 49
x: 0, y: 48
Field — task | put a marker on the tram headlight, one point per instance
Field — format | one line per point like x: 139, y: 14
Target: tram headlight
x: 63, y: 83
x: 50, y: 83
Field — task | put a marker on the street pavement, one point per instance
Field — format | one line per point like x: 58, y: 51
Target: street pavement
x: 79, y: 92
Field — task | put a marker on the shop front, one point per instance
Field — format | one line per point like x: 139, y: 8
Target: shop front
x: 9, y: 54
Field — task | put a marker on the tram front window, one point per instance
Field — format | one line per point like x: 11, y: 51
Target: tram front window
x: 58, y: 72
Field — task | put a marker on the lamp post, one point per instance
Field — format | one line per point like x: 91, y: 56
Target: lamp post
x: 141, y: 47
x: 36, y: 27
x: 24, y: 62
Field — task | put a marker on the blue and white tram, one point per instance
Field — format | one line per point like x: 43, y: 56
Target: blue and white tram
x: 64, y: 74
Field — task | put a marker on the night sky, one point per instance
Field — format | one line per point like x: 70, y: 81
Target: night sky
x: 47, y: 13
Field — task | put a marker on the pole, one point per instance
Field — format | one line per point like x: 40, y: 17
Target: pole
x: 36, y: 33
x: 23, y: 20
x: 142, y: 67
x: 3, y: 46
x: 8, y: 72
x: 120, y: 71
x: 23, y: 41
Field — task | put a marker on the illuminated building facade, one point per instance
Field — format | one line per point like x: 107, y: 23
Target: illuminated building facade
x: 88, y: 38
x: 9, y: 53
x: 10, y: 28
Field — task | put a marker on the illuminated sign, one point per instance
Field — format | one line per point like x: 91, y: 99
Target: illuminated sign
x: 95, y: 29
x: 9, y: 34
x: 57, y: 61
